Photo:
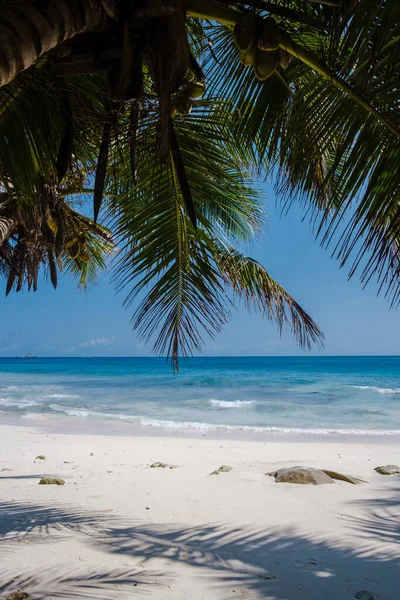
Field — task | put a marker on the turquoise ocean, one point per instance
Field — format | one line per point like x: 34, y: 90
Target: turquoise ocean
x: 310, y: 395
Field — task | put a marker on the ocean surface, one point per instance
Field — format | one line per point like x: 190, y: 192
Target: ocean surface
x: 323, y: 395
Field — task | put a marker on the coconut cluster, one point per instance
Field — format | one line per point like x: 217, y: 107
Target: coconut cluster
x: 183, y: 102
x: 257, y: 40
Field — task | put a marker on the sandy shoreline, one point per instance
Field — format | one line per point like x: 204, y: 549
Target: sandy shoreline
x: 91, y: 426
x: 118, y: 528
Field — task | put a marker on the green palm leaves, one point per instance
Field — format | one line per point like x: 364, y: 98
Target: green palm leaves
x: 173, y: 271
x: 155, y: 110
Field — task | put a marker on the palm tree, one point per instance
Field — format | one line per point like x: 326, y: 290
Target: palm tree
x: 168, y: 110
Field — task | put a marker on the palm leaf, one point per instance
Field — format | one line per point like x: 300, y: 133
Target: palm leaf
x: 338, y: 159
x: 251, y: 282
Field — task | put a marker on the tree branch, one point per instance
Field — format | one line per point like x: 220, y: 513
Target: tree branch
x: 288, y: 13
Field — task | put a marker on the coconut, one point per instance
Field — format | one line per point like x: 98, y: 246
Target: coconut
x: 268, y: 35
x: 74, y: 249
x: 84, y: 255
x: 284, y: 58
x: 183, y: 103
x: 245, y: 31
x: 196, y: 89
x: 247, y: 58
x: 265, y: 63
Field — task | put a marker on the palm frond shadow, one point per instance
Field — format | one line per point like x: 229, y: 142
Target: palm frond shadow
x: 65, y: 582
x: 250, y: 561
x: 254, y: 561
x: 28, y: 476
x: 22, y: 523
x: 20, y: 520
x: 382, y: 518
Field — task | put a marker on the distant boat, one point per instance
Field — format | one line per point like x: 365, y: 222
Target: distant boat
x: 30, y: 356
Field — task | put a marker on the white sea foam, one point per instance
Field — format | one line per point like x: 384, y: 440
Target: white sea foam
x: 22, y: 403
x: 377, y: 389
x: 231, y: 403
x: 61, y: 396
x: 293, y: 430
x: 85, y: 413
x: 198, y: 426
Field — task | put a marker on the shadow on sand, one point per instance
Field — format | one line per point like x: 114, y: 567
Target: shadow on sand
x: 229, y: 562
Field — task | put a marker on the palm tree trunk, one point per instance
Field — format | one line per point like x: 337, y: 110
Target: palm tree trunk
x: 30, y: 29
x: 8, y: 222
x: 7, y: 226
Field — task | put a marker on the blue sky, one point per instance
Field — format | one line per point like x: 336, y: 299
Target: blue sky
x: 68, y: 322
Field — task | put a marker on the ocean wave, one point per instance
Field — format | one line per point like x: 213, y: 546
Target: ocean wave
x: 86, y: 412
x: 270, y: 429
x: 232, y: 403
x: 19, y: 404
x: 377, y: 389
x: 199, y: 426
x: 61, y: 396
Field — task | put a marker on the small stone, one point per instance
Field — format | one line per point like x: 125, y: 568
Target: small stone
x: 147, y: 507
x: 267, y: 576
x: 6, y: 469
x: 18, y: 595
x: 222, y: 469
x: 173, y: 466
x: 67, y: 462
x: 225, y: 469
x: 388, y: 470
x: 364, y: 595
x: 51, y: 481
x: 40, y: 457
x: 158, y: 465
x: 91, y: 454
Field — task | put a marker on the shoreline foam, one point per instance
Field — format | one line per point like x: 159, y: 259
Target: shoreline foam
x: 159, y: 428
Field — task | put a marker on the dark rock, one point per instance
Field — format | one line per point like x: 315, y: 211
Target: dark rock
x: 388, y: 470
x: 301, y: 475
x: 5, y: 469
x: 18, y: 595
x: 159, y: 465
x: 364, y: 595
x: 51, y: 481
x: 40, y: 457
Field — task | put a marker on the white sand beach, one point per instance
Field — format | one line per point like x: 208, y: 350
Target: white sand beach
x: 119, y: 528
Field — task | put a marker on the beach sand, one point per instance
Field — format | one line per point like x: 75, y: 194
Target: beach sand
x: 119, y: 528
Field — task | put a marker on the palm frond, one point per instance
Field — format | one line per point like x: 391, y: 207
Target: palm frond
x: 165, y: 261
x: 32, y: 244
x: 251, y: 282
x: 323, y: 148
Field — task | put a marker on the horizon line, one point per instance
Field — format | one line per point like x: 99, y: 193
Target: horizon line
x: 188, y: 359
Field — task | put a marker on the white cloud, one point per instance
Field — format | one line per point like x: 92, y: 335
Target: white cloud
x: 93, y: 343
